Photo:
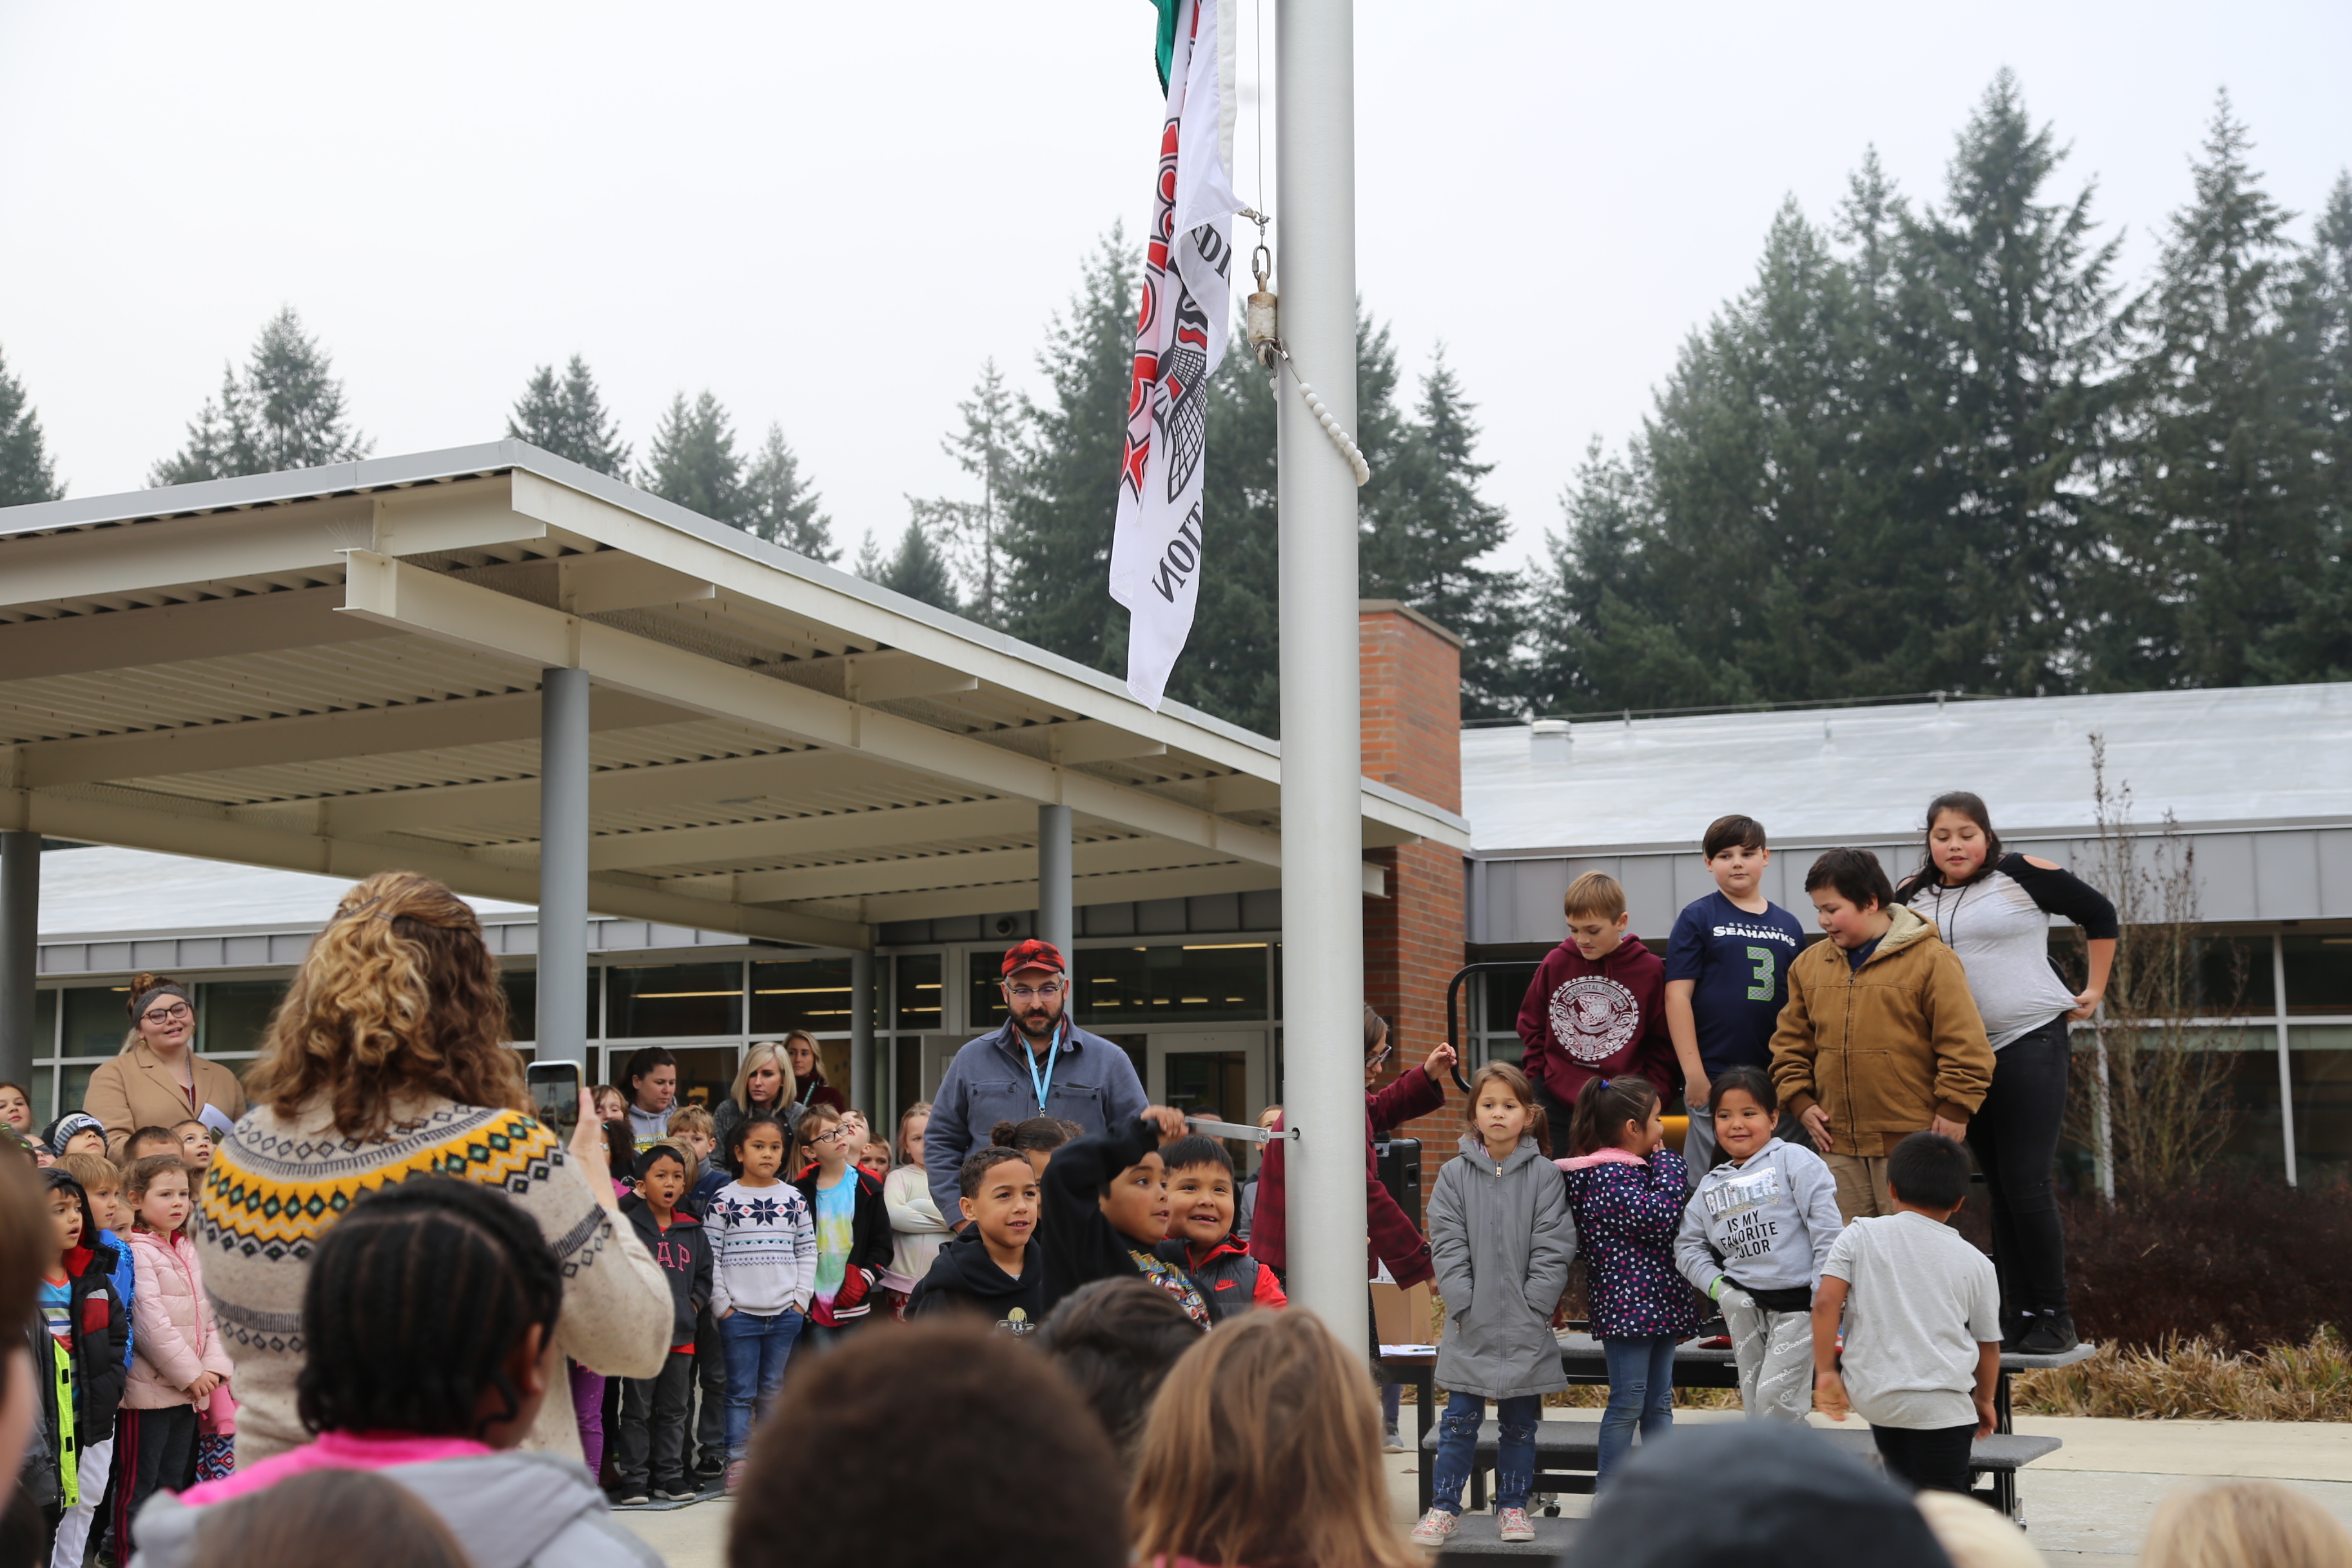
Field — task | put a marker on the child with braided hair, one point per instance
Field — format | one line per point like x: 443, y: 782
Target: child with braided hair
x: 430, y: 1314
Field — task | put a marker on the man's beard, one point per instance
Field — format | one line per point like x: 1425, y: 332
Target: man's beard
x: 1038, y: 1027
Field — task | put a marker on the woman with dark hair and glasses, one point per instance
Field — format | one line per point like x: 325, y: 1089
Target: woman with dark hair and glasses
x: 1993, y: 909
x: 158, y: 1081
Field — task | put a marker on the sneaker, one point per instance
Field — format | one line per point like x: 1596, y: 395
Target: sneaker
x: 1513, y: 1524
x: 2048, y: 1333
x: 676, y: 1491
x: 1391, y: 1441
x: 1720, y: 1343
x: 734, y: 1477
x: 1435, y: 1528
x: 632, y: 1498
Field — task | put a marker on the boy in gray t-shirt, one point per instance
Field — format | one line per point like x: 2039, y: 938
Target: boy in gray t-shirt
x: 1922, y: 1316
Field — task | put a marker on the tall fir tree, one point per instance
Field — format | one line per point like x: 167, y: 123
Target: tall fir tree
x: 27, y: 474
x: 917, y: 568
x: 567, y: 417
x: 780, y: 504
x: 286, y: 411
x: 1058, y: 520
x: 2218, y: 499
x: 2316, y: 644
x: 692, y: 460
x: 987, y: 448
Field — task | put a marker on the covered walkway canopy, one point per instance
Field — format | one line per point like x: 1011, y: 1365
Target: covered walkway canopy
x: 352, y: 668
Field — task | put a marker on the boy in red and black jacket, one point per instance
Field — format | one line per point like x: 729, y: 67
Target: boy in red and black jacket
x: 1598, y: 1005
x: 1201, y: 1231
x: 79, y: 1339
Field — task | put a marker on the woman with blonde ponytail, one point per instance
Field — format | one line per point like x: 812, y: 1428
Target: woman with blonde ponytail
x: 390, y: 1059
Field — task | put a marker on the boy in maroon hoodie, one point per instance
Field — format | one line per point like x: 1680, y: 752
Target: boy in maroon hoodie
x: 1597, y: 1008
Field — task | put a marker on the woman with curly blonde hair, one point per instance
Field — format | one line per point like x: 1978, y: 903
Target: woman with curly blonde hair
x: 390, y: 1059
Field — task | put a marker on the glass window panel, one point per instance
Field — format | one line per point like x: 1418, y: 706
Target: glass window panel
x: 988, y: 1009
x: 232, y: 1015
x: 915, y: 996
x: 1197, y: 982
x: 2318, y: 973
x: 522, y: 986
x: 75, y: 1085
x: 595, y: 1007
x: 705, y: 1073
x: 661, y: 1000
x: 801, y: 994
x: 2234, y: 975
x: 41, y: 1090
x: 44, y: 1022
x: 1505, y: 990
x: 96, y: 1021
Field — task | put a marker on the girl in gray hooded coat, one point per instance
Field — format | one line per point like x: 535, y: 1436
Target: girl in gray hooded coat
x: 1501, y: 1239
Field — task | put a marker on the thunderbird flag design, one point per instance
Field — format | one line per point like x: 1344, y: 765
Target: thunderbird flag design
x: 1157, y: 550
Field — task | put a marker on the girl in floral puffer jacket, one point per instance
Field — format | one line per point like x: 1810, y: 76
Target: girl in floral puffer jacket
x: 1627, y: 1191
x: 178, y: 1364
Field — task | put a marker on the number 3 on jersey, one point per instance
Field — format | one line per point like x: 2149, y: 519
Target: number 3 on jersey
x: 1762, y: 958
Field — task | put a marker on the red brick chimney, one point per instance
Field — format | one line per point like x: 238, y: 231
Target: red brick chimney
x: 1412, y: 672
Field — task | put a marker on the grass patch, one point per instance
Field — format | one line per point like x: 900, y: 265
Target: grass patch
x: 2195, y: 1380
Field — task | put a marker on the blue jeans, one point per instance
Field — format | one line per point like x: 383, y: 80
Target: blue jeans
x: 1641, y: 1394
x: 1457, y: 1446
x: 757, y: 1350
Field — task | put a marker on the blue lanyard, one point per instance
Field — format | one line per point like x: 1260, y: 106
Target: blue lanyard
x: 1043, y: 1085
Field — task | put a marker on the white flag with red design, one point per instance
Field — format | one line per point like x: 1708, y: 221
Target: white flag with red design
x: 1157, y: 551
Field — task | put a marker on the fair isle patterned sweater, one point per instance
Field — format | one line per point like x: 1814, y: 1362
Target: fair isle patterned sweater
x: 762, y: 1250
x: 278, y: 1182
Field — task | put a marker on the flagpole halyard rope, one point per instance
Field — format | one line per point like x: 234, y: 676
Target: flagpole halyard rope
x: 1262, y: 328
x: 1339, y: 438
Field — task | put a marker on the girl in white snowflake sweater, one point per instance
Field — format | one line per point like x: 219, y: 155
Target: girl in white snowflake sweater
x: 763, y: 1267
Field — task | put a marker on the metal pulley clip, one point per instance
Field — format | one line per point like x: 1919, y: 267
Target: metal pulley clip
x: 1259, y: 324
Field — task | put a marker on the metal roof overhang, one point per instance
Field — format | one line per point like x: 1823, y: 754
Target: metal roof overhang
x: 337, y: 671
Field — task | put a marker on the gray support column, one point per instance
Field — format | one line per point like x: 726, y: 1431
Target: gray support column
x: 1056, y: 922
x: 20, y: 919
x: 1322, y: 723
x: 563, y: 865
x: 2285, y: 1058
x: 862, y: 1079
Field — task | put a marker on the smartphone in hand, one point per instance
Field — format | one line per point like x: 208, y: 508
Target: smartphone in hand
x: 555, y: 1096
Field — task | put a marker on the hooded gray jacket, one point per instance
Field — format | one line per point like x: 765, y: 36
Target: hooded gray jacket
x: 1768, y: 1223
x: 1501, y: 1240
x: 512, y: 1509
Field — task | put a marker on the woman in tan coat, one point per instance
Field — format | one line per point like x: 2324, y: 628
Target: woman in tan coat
x: 158, y: 1081
x: 389, y: 1058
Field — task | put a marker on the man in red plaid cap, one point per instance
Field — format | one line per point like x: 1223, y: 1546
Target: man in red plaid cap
x: 1037, y: 1063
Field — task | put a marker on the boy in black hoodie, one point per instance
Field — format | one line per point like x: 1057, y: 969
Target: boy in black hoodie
x: 1106, y: 1203
x: 994, y: 1266
x: 652, y: 1438
x: 81, y: 1326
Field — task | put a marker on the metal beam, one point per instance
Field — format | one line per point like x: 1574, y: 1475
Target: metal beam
x: 861, y: 1045
x: 20, y: 919
x: 1092, y: 741
x: 1055, y: 922
x: 434, y: 726
x: 207, y: 834
x: 912, y: 873
x: 609, y: 789
x: 392, y: 593
x: 790, y: 836
x: 175, y: 634
x: 562, y: 1028
x: 1191, y: 881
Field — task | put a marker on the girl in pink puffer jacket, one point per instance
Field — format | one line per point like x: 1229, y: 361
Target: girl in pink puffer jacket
x: 178, y: 1364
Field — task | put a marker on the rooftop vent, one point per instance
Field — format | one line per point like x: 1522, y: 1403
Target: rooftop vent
x: 1550, y: 741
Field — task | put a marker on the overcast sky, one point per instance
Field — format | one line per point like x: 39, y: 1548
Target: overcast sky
x: 829, y: 215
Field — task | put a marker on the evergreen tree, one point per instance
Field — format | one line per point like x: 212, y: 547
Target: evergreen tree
x: 2316, y: 645
x: 917, y: 569
x: 567, y: 418
x: 26, y: 473
x: 781, y: 505
x: 692, y: 461
x: 285, y: 412
x: 2217, y: 513
x: 1055, y: 591
x: 986, y: 449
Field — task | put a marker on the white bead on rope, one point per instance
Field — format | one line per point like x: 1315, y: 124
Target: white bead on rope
x: 1339, y: 438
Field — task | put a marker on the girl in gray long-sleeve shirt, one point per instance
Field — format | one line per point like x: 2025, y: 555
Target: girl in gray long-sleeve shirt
x: 1754, y: 1237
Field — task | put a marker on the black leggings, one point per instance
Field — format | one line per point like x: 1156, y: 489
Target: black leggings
x: 154, y: 1450
x: 2014, y: 1135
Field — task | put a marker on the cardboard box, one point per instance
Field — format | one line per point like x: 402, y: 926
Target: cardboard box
x: 1401, y: 1315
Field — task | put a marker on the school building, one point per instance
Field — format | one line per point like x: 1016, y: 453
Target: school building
x: 778, y: 796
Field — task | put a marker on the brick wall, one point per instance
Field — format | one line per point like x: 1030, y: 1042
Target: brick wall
x: 1411, y: 674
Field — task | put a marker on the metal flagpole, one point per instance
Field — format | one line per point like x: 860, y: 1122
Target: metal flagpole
x: 1322, y: 840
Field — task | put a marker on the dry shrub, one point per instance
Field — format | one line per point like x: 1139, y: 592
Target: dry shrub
x: 2241, y: 1261
x: 2192, y: 1380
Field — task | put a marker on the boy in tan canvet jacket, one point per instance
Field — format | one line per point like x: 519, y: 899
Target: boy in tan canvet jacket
x: 1880, y: 1038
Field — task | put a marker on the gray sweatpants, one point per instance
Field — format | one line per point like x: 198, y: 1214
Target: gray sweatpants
x: 1774, y: 1352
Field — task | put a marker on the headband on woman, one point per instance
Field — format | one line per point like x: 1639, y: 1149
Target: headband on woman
x: 147, y: 999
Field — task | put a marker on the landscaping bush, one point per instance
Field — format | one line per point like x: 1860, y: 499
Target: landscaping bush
x: 2243, y: 1262
x: 2192, y: 1381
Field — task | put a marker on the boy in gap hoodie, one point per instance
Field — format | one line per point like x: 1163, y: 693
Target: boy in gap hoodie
x: 654, y: 1410
x: 1597, y: 1007
x: 994, y: 1266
